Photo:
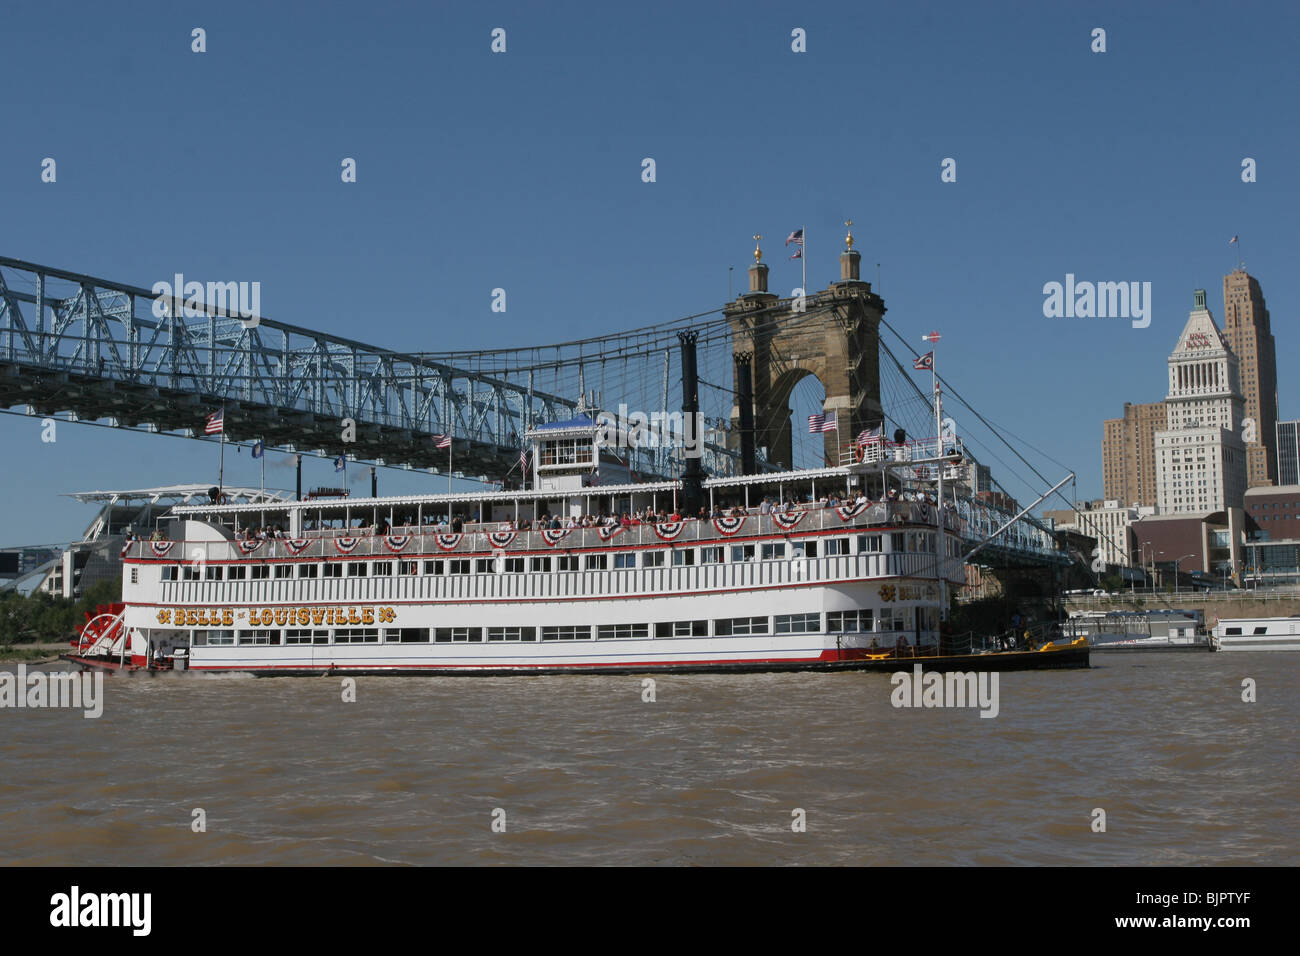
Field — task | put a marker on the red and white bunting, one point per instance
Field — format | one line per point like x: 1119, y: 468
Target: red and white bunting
x: 249, y: 545
x: 396, y: 543
x: 297, y: 546
x: 501, y: 539
x: 608, y: 532
x: 346, y: 544
x: 849, y: 512
x: 729, y: 525
x: 669, y: 530
x: 160, y: 548
x: 447, y: 542
x: 787, y: 521
x: 553, y: 536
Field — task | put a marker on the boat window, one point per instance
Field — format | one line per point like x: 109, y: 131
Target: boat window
x: 458, y: 566
x: 333, y: 569
x: 170, y: 572
x: 869, y: 544
x: 597, y: 562
x: 512, y: 633
x: 260, y: 572
x: 307, y: 570
x: 135, y: 575
x: 896, y: 541
x: 236, y: 572
x: 652, y: 559
x: 406, y: 635
x: 213, y: 572
x: 540, y: 564
x: 1262, y: 630
x: 739, y: 626
x: 711, y: 555
x: 259, y: 637
x: 809, y: 548
x: 797, y: 623
x: 849, y: 621
x: 360, y: 635
x: 682, y: 629
x: 1233, y: 630
x: 566, y: 562
x: 357, y: 569
x: 618, y: 632
x: 742, y: 552
x: 625, y: 559
x: 458, y: 635
x: 567, y: 633
x: 284, y: 570
x: 836, y: 546
x: 772, y: 551
x: 220, y: 638
x: 683, y: 556
x: 382, y: 568
x: 433, y: 567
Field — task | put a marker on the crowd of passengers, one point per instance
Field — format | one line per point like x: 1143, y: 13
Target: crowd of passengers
x: 459, y: 523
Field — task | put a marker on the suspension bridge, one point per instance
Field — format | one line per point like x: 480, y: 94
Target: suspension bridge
x: 98, y: 350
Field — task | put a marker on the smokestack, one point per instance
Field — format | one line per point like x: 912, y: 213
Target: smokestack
x: 692, y: 475
x: 374, y: 483
x: 298, y: 459
x: 745, y: 401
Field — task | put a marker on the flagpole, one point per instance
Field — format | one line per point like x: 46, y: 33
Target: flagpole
x: 221, y: 460
x: 941, y: 540
x: 450, y: 446
x: 803, y: 261
x: 263, y: 457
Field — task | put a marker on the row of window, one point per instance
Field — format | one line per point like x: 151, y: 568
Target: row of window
x: 914, y: 541
x: 809, y: 623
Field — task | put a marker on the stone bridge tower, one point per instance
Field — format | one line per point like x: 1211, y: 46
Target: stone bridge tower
x: 833, y: 335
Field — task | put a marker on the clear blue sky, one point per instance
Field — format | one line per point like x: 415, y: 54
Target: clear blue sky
x: 522, y: 171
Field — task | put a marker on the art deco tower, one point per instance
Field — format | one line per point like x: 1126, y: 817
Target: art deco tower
x: 1247, y: 332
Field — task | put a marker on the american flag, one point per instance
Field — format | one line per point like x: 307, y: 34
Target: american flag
x: 798, y: 253
x: 340, y: 463
x: 795, y: 237
x: 523, y: 459
x: 925, y: 363
x: 215, y: 423
x: 442, y: 441
x: 822, y: 423
x: 870, y: 434
x: 1232, y: 240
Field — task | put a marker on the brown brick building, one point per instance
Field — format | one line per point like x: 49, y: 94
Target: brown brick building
x: 1128, y: 453
x: 1246, y: 330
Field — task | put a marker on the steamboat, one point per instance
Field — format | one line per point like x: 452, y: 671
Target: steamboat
x: 589, y: 570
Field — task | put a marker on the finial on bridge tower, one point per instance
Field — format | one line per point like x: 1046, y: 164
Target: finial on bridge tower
x: 758, y: 253
x: 758, y: 271
x: 850, y: 258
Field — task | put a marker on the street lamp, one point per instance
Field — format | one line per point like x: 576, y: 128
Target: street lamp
x: 1177, y: 566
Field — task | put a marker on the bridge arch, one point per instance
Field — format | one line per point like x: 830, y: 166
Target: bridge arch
x: 833, y: 335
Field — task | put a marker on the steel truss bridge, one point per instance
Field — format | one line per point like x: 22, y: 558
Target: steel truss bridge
x: 109, y: 352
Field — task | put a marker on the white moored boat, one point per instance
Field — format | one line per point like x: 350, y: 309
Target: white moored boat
x: 1258, y: 634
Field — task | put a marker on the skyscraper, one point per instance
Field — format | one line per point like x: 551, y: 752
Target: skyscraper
x: 1247, y: 332
x: 1128, y: 453
x: 1200, y: 455
x: 1288, y: 453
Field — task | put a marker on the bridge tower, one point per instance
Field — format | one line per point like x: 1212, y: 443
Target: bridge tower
x: 833, y: 335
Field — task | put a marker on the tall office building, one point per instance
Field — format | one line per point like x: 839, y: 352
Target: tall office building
x: 1128, y: 454
x: 1247, y: 332
x: 1288, y: 453
x: 1200, y: 455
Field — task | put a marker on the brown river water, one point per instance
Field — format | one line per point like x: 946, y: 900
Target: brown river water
x: 709, y: 773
